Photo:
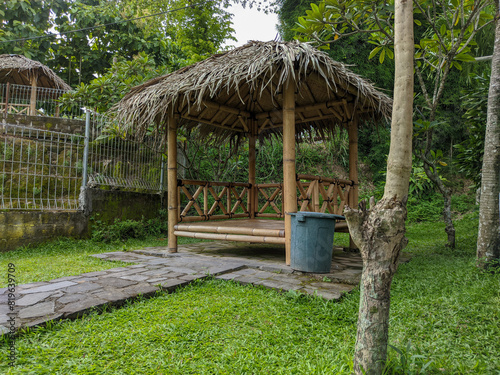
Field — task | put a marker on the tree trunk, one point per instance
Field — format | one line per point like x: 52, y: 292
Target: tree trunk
x: 488, y: 241
x: 379, y: 232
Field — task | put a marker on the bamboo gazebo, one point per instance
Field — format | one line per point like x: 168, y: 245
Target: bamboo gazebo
x: 22, y: 79
x: 261, y: 89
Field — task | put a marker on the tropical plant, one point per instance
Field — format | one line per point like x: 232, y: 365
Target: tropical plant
x: 445, y: 33
x: 469, y: 157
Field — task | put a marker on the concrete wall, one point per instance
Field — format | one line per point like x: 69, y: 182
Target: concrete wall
x: 62, y: 125
x: 112, y: 204
x: 23, y: 228
x: 31, y: 227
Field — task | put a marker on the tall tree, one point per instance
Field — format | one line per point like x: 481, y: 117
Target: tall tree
x: 488, y: 241
x: 379, y: 232
x: 79, y: 38
x: 447, y: 31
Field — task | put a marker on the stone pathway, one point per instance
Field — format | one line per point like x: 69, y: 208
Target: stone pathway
x: 155, y: 269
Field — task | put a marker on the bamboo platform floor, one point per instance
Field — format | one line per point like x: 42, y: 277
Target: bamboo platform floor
x: 240, y: 230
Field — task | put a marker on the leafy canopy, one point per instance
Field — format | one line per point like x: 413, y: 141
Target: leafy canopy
x: 89, y: 33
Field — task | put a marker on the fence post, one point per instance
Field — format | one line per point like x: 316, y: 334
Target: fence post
x: 83, y: 196
x: 162, y: 174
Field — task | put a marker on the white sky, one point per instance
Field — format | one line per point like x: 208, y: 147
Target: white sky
x: 250, y: 24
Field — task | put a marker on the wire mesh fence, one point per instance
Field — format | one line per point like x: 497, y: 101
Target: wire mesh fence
x: 118, y: 161
x: 37, y: 101
x: 45, y: 170
x: 39, y: 169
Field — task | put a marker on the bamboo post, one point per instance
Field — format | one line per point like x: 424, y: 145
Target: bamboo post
x: 289, y: 188
x: 33, y: 95
x: 172, y: 183
x: 205, y: 200
x: 353, y: 167
x: 252, y: 203
x: 7, y: 98
x: 315, y: 195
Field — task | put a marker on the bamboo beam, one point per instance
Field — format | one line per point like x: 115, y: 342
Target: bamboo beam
x: 188, y: 219
x: 231, y: 237
x: 353, y: 167
x: 172, y: 183
x: 225, y: 108
x: 215, y: 183
x: 337, y: 181
x: 225, y: 229
x: 32, y: 111
x: 270, y: 215
x: 305, y: 108
x: 208, y: 122
x: 289, y: 188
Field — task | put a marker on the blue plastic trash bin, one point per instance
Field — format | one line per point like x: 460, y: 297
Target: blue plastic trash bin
x: 312, y: 241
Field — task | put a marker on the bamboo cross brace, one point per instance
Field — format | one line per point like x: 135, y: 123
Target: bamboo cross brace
x: 218, y: 200
x: 239, y: 200
x: 192, y: 201
x: 264, y: 124
x: 327, y: 197
x: 335, y: 113
x: 343, y: 198
x: 303, y: 196
x: 309, y: 193
x: 334, y: 198
x: 270, y: 200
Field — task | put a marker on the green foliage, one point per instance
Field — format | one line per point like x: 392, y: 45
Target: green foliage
x: 469, y: 158
x: 373, y: 149
x: 122, y: 230
x: 95, y: 31
x: 288, y: 13
x: 424, y: 209
x: 406, y: 362
x: 216, y: 161
x: 443, y: 311
x: 101, y: 93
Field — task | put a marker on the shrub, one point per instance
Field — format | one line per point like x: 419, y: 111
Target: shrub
x: 121, y: 230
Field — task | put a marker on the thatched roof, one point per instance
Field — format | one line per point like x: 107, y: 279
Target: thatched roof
x: 19, y: 70
x: 226, y: 90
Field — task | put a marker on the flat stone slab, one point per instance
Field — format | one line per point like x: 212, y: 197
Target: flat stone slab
x: 156, y: 269
x: 31, y: 299
x: 49, y: 287
x: 40, y: 309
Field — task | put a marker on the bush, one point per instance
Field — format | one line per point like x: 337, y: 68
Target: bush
x: 425, y: 209
x: 123, y: 230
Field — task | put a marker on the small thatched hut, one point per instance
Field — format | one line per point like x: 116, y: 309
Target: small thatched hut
x: 19, y: 70
x: 253, y: 91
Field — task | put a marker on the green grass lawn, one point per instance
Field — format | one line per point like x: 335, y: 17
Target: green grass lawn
x: 446, y: 310
x: 68, y: 257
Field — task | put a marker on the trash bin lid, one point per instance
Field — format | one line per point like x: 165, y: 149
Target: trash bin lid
x: 317, y: 215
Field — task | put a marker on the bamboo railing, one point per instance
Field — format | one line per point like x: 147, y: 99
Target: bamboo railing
x: 314, y: 194
x: 212, y: 200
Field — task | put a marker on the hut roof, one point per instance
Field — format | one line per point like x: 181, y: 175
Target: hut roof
x: 18, y: 69
x: 226, y: 91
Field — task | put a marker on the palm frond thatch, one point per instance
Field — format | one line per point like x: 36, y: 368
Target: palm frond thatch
x: 228, y: 90
x: 18, y: 69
